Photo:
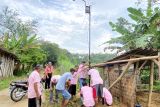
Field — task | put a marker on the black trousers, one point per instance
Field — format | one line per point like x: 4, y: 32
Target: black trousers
x: 48, y: 80
x: 72, y: 89
x: 33, y: 102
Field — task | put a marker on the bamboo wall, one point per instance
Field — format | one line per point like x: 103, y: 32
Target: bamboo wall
x: 6, y: 67
x: 124, y: 90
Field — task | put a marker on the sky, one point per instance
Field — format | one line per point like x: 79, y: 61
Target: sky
x: 64, y: 21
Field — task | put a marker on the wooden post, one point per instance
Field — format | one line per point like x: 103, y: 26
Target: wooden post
x: 136, y: 67
x: 157, y: 62
x: 151, y: 84
x: 108, y: 78
x: 159, y: 66
x: 122, y: 74
x: 141, y: 67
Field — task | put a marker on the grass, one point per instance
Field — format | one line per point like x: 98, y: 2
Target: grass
x: 5, y: 82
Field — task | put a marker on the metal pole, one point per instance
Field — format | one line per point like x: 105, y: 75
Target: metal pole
x: 88, y: 10
x: 89, y: 42
x: 89, y: 37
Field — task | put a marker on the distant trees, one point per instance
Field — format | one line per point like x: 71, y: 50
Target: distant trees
x: 95, y: 58
x: 59, y: 57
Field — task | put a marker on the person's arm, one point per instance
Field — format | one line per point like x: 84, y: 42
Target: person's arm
x: 46, y: 72
x: 52, y: 69
x: 36, y: 90
x: 69, y: 82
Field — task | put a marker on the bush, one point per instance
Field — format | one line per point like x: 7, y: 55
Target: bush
x: 20, y: 73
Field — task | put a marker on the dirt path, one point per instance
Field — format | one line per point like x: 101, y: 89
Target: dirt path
x: 5, y: 100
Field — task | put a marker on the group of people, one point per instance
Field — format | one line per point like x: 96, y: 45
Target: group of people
x: 91, y: 92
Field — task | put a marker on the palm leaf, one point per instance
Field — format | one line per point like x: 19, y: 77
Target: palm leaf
x: 136, y: 12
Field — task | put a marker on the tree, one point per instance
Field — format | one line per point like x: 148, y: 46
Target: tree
x: 140, y: 33
x: 19, y: 38
x: 52, y: 51
x: 11, y: 24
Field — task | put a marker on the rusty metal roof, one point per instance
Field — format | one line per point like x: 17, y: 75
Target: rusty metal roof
x: 7, y: 53
x: 138, y: 51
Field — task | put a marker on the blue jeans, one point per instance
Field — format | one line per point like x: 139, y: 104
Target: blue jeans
x: 99, y: 89
x: 51, y: 95
x: 81, y: 80
x: 66, y: 95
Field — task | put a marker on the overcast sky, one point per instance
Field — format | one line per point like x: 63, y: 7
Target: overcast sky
x: 64, y: 21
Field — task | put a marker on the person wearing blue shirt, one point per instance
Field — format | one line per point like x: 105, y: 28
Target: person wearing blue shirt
x: 60, y: 87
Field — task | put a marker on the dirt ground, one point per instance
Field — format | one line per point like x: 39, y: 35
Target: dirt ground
x: 143, y: 99
x: 5, y: 100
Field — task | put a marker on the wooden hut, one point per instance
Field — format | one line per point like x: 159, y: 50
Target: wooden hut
x: 7, y: 63
x: 122, y: 73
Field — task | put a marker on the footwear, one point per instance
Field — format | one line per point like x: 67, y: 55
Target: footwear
x: 82, y: 105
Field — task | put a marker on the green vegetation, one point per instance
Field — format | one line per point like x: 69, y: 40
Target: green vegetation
x: 20, y: 38
x: 4, y: 82
x: 143, y: 31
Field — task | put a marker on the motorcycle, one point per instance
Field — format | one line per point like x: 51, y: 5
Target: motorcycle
x: 18, y: 89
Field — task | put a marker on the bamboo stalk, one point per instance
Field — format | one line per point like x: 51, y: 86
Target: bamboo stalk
x: 158, y: 64
x: 151, y: 84
x: 122, y: 74
x: 136, y: 69
x: 138, y: 72
x: 127, y: 60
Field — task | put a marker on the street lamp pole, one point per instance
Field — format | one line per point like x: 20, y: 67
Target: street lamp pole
x: 88, y: 11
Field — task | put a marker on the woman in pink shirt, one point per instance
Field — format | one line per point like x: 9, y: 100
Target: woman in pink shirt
x: 48, y: 73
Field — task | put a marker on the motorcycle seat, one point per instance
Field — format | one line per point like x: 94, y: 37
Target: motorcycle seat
x: 20, y: 82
